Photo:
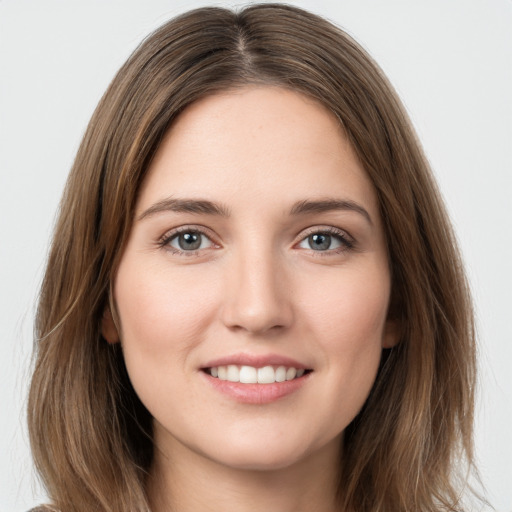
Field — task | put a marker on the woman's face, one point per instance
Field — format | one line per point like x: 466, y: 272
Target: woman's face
x: 256, y: 254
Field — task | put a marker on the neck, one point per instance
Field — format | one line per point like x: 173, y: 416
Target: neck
x: 189, y: 482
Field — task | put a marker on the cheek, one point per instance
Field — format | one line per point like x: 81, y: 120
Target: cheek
x: 350, y: 309
x: 348, y: 320
x: 162, y: 315
x: 163, y: 319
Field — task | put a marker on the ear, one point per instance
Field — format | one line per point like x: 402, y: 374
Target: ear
x: 393, y: 329
x: 108, y: 327
x: 392, y: 333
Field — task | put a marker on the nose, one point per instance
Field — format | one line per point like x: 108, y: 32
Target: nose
x: 258, y: 298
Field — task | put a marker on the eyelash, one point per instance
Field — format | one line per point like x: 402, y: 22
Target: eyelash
x: 165, y: 241
x: 347, y: 242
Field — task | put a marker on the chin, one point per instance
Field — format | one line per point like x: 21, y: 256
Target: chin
x: 260, y: 461
x: 261, y: 455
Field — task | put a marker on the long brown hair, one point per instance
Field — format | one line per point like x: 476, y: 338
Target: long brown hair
x: 90, y: 434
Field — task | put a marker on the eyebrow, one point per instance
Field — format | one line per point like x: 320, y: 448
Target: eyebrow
x: 202, y: 206
x: 327, y: 205
x: 199, y: 206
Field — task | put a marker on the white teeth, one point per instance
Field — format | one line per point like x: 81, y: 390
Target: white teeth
x: 233, y: 373
x: 266, y: 375
x: 291, y: 373
x: 248, y: 375
x: 251, y: 375
x: 281, y: 374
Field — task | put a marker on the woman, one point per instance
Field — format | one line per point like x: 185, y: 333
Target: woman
x: 254, y: 297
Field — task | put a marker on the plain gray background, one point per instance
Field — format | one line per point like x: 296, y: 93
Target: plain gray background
x: 451, y: 62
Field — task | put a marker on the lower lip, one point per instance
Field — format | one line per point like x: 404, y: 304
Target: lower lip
x: 256, y: 393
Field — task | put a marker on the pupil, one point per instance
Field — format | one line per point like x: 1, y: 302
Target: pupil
x: 189, y: 241
x: 320, y: 242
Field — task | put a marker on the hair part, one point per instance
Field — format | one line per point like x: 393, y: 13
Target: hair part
x: 91, y: 436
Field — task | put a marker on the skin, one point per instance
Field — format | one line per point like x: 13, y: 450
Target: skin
x: 255, y: 286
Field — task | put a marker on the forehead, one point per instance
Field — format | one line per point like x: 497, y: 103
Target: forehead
x: 256, y: 142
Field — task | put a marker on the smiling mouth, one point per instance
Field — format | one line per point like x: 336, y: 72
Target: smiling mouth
x: 252, y: 375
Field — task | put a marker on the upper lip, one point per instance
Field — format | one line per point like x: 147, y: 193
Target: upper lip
x: 256, y: 361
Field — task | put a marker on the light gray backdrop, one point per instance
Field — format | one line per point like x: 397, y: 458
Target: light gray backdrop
x: 451, y: 62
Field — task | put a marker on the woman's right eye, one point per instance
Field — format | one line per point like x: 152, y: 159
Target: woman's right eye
x: 189, y: 241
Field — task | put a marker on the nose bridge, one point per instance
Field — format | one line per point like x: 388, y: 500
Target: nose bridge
x: 258, y: 299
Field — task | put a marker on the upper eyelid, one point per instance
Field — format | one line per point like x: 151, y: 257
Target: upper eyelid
x: 332, y: 230
x: 192, y: 228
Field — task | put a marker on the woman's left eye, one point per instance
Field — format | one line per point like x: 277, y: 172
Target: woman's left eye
x: 188, y: 241
x: 323, y: 241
